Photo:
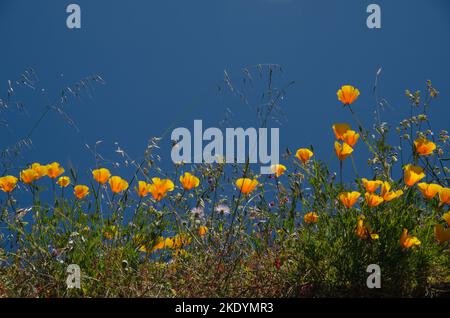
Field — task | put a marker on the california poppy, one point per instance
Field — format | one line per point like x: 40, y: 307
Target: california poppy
x: 246, y: 185
x: 347, y: 94
x: 412, y: 174
x: 424, y: 147
x: 189, y: 181
x: 342, y: 151
x: 349, y: 199
x: 304, y: 154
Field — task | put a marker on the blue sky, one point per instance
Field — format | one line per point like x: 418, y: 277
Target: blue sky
x: 163, y: 61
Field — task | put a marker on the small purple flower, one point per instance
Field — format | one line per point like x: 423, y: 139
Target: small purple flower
x: 197, y: 213
x: 222, y: 209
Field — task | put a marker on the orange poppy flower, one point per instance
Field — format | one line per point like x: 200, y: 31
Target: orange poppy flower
x: 278, y: 169
x: 342, y: 151
x: 363, y: 230
x: 101, y: 175
x: 311, y: 218
x: 81, y: 191
x: 63, y: 181
x: 189, y: 181
x: 41, y: 170
x: 424, y: 147
x: 142, y: 189
x: 54, y: 170
x: 373, y: 200
x: 408, y: 241
x: 159, y: 188
x: 349, y: 199
x: 118, y: 184
x: 371, y: 186
x: 444, y: 196
x: 8, y: 183
x: 446, y: 218
x: 202, y: 230
x: 442, y: 234
x: 246, y: 185
x: 412, y: 174
x: 304, y: 154
x: 387, y: 194
x: 340, y: 130
x: 347, y: 94
x: 351, y: 137
x: 28, y: 176
x: 429, y: 190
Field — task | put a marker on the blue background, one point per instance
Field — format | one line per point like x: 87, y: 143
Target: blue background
x: 164, y: 60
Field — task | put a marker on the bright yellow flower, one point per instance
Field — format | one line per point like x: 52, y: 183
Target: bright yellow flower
x: 444, y: 196
x: 442, y: 234
x: 351, y: 137
x: 8, y: 183
x: 347, y: 94
x: 412, y: 174
x: 424, y: 147
x: 168, y: 242
x: 246, y: 185
x: 28, y: 176
x: 101, y: 175
x: 159, y: 244
x: 63, y: 181
x: 373, y: 200
x: 80, y: 191
x: 142, y: 189
x: 429, y: 190
x: 159, y: 188
x: 446, y: 217
x: 340, y: 130
x: 304, y: 154
x: 118, y: 184
x: 54, y: 170
x: 349, y: 199
x: 181, y: 240
x: 278, y: 169
x: 311, y: 218
x: 342, y: 151
x: 371, y: 186
x: 202, y: 230
x: 40, y: 169
x: 189, y: 181
x: 387, y: 194
x: 408, y: 241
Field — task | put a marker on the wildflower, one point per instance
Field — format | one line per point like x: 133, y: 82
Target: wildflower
x: 189, y: 181
x: 349, y: 199
x: 197, y: 213
x: 304, y: 154
x: 202, y: 230
x: 80, y: 191
x: 340, y: 130
x: 407, y: 240
x: 387, y: 194
x: 110, y: 232
x: 429, y: 190
x: 412, y: 174
x: 373, y: 200
x: 142, y: 189
x: 347, y: 94
x: 101, y: 175
x: 168, y: 243
x: 278, y: 169
x: 40, y: 169
x: 446, y: 217
x: 63, y: 181
x: 222, y: 209
x: 442, y: 234
x: 118, y: 184
x: 8, y: 183
x: 159, y: 244
x: 351, y: 137
x: 28, y: 176
x: 160, y: 187
x: 246, y: 185
x: 181, y: 240
x: 54, y: 170
x: 180, y: 252
x: 444, y: 196
x: 342, y: 151
x: 371, y: 186
x: 363, y: 230
x: 311, y: 218
x: 424, y: 147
